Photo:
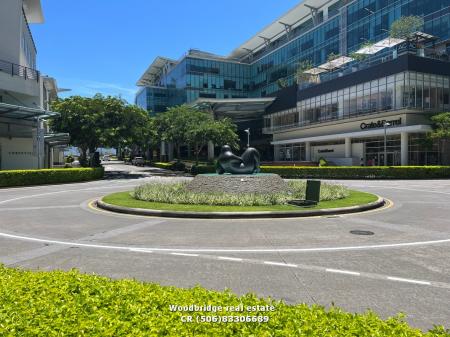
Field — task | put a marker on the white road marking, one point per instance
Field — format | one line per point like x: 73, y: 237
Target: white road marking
x: 338, y: 271
x: 140, y: 250
x: 281, y: 264
x: 226, y: 258
x: 208, y: 250
x: 37, y: 208
x: 184, y: 254
x: 399, y: 279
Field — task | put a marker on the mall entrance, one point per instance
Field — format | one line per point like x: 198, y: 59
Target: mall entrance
x: 374, y: 152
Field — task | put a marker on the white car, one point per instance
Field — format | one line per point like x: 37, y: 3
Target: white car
x: 138, y: 161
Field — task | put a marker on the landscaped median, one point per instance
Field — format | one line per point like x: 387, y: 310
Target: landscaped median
x: 174, y: 200
x: 49, y: 176
x: 73, y: 304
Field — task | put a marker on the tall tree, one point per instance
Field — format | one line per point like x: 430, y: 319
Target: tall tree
x: 173, y: 125
x: 441, y: 133
x: 103, y: 121
x: 405, y: 27
x: 221, y: 131
x: 82, y: 118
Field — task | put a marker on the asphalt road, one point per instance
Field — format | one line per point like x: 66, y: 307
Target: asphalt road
x: 403, y: 267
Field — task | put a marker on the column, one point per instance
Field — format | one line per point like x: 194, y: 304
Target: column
x: 404, y: 148
x: 170, y: 152
x: 210, y: 150
x: 163, y: 151
x: 348, y: 147
x: 308, y: 151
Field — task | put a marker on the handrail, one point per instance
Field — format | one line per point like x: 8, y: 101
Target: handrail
x: 18, y: 70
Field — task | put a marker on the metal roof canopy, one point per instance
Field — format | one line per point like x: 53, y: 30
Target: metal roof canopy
x: 337, y: 63
x: 57, y: 139
x: 275, y: 30
x: 370, y: 50
x: 238, y: 109
x: 389, y: 42
x: 154, y: 70
x: 315, y: 71
x: 424, y: 37
x: 24, y: 113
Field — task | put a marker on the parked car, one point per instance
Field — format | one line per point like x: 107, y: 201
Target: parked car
x: 138, y: 161
x: 106, y: 158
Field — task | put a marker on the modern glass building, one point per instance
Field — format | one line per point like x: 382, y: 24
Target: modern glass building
x: 396, y: 80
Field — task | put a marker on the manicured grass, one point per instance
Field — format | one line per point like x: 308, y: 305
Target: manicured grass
x: 73, y: 304
x: 125, y: 199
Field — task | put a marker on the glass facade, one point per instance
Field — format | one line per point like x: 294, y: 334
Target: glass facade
x: 406, y: 90
x: 341, y: 30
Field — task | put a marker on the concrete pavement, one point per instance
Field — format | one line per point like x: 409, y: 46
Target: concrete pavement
x: 403, y: 267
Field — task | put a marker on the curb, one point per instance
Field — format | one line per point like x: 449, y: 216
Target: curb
x: 240, y: 215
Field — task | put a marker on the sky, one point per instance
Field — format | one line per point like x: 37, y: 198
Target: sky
x: 105, y: 46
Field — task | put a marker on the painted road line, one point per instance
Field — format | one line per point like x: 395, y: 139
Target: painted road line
x: 399, y: 279
x: 226, y: 258
x: 281, y: 264
x: 184, y: 254
x: 338, y: 271
x: 232, y: 250
x: 140, y: 250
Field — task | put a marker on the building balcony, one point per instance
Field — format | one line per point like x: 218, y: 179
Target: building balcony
x: 19, y: 71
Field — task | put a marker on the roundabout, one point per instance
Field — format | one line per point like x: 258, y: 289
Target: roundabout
x: 403, y: 267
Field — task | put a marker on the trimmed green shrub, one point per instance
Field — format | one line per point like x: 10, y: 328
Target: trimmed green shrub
x: 177, y: 193
x: 49, y: 176
x: 73, y: 304
x: 341, y: 172
x: 360, y: 172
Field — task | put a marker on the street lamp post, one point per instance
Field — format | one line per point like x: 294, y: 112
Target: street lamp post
x: 247, y: 131
x: 386, y: 124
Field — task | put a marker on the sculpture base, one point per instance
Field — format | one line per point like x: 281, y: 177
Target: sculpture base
x: 236, y: 184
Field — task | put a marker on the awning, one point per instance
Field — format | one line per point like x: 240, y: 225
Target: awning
x: 336, y: 63
x: 358, y: 134
x: 315, y: 71
x: 238, y: 109
x: 370, y: 50
x: 24, y: 113
x: 57, y: 139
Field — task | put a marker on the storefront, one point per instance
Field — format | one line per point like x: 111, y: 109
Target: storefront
x: 365, y: 141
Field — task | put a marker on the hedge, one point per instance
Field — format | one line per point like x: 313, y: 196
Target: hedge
x: 360, y: 172
x: 49, y: 176
x: 73, y: 304
x: 340, y: 172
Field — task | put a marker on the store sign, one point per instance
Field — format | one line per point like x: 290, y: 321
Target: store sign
x: 380, y: 124
x: 326, y: 151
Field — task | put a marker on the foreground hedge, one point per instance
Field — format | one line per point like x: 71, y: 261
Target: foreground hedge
x: 72, y: 304
x: 48, y: 176
x: 361, y: 172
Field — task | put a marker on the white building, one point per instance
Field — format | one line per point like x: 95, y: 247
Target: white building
x: 25, y: 141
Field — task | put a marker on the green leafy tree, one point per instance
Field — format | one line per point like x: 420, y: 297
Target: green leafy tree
x: 300, y: 75
x: 82, y: 118
x: 173, y: 125
x: 185, y: 124
x: 406, y: 26
x: 103, y: 121
x: 222, y: 131
x: 362, y: 57
x: 332, y: 57
x: 441, y: 133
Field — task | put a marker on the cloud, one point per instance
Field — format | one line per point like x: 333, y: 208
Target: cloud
x: 89, y: 88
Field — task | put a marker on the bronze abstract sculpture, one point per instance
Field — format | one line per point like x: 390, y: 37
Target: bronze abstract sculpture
x: 230, y: 163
